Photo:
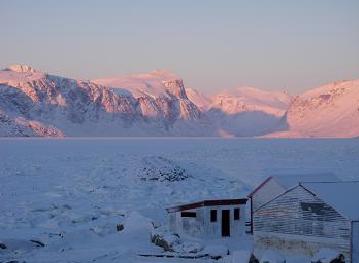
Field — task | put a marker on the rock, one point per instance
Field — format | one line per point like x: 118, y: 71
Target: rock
x: 158, y: 168
x: 120, y: 227
x: 37, y: 243
x: 2, y: 246
x: 187, y: 247
x: 253, y: 259
x: 165, y: 240
x: 328, y: 256
x: 339, y: 259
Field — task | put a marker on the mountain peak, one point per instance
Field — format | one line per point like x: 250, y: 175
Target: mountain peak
x: 164, y: 74
x: 21, y: 68
x: 175, y: 87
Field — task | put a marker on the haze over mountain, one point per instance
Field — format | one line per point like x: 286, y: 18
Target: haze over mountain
x: 34, y: 103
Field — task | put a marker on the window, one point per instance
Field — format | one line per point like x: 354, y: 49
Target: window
x: 188, y: 214
x: 213, y: 215
x: 236, y: 214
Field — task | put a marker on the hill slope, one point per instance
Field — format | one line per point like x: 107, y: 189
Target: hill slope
x: 331, y: 110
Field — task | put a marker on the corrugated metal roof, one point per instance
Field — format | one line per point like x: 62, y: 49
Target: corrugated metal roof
x: 290, y: 180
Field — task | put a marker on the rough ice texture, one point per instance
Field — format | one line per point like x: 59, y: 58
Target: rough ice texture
x: 72, y: 193
x: 159, y: 104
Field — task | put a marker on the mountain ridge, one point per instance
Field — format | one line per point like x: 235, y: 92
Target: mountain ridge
x: 34, y: 103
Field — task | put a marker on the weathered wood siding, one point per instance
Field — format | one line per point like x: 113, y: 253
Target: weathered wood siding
x: 200, y: 226
x: 192, y: 226
x: 299, y: 215
x: 267, y: 192
x: 214, y: 229
x: 355, y: 242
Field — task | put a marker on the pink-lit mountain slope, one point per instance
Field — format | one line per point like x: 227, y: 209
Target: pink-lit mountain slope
x: 331, y: 110
x: 33, y: 103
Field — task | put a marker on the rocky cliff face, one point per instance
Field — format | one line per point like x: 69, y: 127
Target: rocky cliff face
x: 160, y: 95
x: 73, y: 106
x: 33, y: 103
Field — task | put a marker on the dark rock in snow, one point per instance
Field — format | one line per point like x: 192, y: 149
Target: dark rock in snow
x: 37, y: 243
x: 253, y: 259
x: 157, y: 168
x: 339, y: 259
x: 120, y: 227
x: 165, y: 241
x: 2, y: 246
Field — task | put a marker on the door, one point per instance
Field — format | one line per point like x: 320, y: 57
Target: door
x: 226, y: 229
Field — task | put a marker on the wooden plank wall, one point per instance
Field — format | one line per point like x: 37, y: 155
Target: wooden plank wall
x: 299, y: 213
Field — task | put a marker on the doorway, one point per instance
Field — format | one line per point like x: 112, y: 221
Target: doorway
x: 226, y: 229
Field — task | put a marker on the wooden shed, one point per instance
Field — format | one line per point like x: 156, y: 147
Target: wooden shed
x: 209, y: 218
x: 309, y: 217
x: 277, y: 184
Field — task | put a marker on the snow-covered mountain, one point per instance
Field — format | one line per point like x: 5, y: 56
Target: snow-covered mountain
x: 244, y: 99
x: 30, y: 98
x: 247, y: 111
x: 331, y: 110
x: 198, y: 98
x: 33, y: 103
x: 160, y: 94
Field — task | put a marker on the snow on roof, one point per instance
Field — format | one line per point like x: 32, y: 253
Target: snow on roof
x: 290, y: 180
x: 343, y: 196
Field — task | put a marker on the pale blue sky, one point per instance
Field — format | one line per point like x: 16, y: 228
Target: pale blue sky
x: 212, y: 44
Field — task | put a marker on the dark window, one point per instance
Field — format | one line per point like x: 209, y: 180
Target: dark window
x: 188, y: 214
x: 321, y: 211
x: 236, y: 214
x: 213, y: 215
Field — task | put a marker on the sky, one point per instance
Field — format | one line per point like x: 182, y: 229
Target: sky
x: 213, y: 45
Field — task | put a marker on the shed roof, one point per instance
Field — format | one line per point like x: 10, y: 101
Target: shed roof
x: 342, y: 196
x: 289, y: 180
x: 216, y: 202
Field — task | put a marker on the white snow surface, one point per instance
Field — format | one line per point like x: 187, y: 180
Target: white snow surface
x: 252, y: 99
x: 19, y: 73
x: 198, y: 98
x: 71, y: 193
x: 331, y: 110
x: 142, y: 84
